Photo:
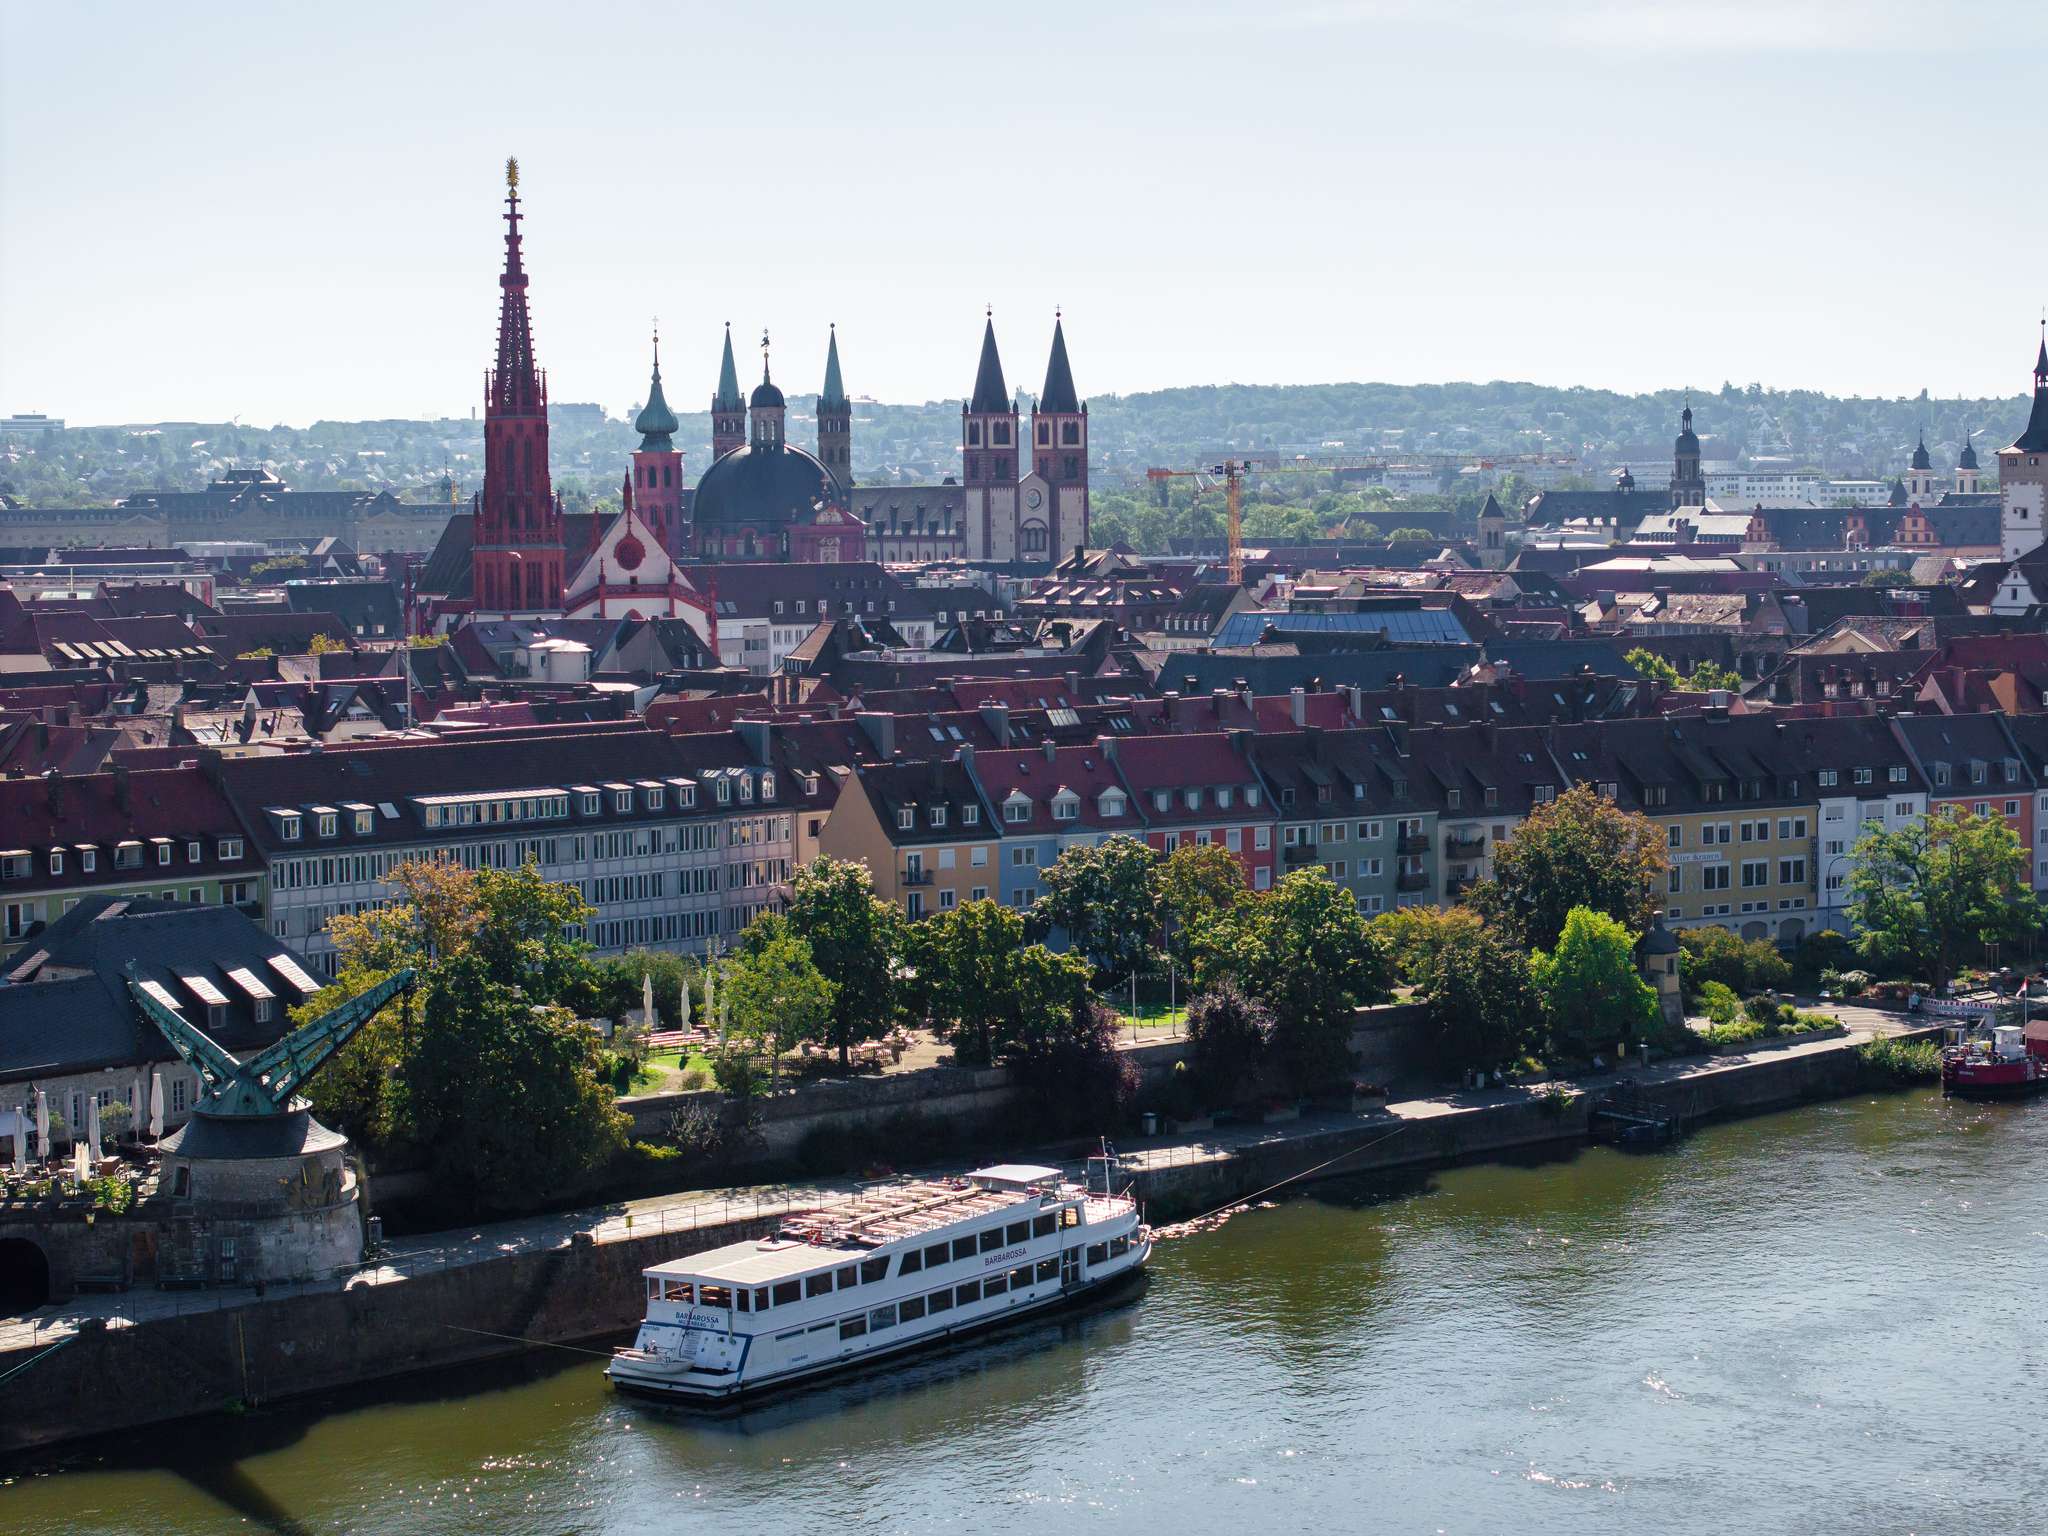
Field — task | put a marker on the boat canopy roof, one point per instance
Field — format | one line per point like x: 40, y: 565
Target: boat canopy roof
x: 759, y: 1261
x: 1021, y: 1175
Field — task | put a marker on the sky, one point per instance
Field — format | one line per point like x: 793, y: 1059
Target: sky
x: 277, y: 213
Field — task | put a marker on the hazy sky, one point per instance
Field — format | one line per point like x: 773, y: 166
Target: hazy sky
x: 288, y: 211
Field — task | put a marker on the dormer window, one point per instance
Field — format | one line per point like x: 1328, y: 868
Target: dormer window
x: 56, y: 861
x: 768, y: 786
x: 1454, y: 799
x: 724, y: 791
x: 1162, y: 799
x: 1066, y: 806
x: 330, y: 823
x: 970, y: 815
x: 746, y: 787
x: 89, y: 858
x: 589, y: 802
x: 230, y: 849
x: 1192, y: 798
x: 906, y: 818
x: 657, y: 797
x: 938, y: 816
x: 1224, y: 797
x: 622, y: 800
x: 1017, y: 809
x: 1111, y: 804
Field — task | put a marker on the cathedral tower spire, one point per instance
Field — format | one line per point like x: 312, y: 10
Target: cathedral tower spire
x: 516, y: 564
x: 1688, y: 485
x: 835, y: 421
x: 988, y: 457
x: 728, y: 406
x: 2023, y: 471
x: 767, y: 408
x: 1059, y: 448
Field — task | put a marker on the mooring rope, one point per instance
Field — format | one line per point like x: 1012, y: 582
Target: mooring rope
x: 1281, y: 1184
x: 514, y: 1338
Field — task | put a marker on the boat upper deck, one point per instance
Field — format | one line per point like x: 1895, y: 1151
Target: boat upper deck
x: 871, y: 1220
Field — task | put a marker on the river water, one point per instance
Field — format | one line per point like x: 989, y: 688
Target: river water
x: 1823, y: 1320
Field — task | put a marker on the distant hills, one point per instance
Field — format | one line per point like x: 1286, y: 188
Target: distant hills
x: 1856, y: 437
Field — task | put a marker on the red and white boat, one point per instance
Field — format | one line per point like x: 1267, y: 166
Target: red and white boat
x: 1996, y: 1061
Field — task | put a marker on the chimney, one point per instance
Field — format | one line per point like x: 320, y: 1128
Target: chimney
x: 121, y: 785
x: 881, y: 729
x: 759, y: 735
x: 1106, y: 745
x: 997, y: 718
x: 1051, y: 749
x: 1297, y: 706
x: 53, y: 780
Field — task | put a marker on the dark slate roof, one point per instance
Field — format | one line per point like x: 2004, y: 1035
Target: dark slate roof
x: 761, y: 486
x: 991, y: 394
x: 728, y: 396
x: 369, y: 608
x: 1559, y: 658
x: 1920, y: 459
x: 1436, y: 666
x: 1058, y: 394
x: 920, y: 788
x: 2035, y: 438
x: 87, y: 1020
x: 1624, y: 507
x: 245, y: 1137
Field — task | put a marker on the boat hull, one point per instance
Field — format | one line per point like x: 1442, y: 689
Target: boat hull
x: 713, y: 1396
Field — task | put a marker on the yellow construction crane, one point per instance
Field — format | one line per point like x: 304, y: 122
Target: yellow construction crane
x: 1231, y: 474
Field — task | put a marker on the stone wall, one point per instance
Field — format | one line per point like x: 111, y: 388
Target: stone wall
x: 292, y: 1346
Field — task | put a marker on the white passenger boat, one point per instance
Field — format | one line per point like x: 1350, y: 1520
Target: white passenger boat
x: 898, y: 1268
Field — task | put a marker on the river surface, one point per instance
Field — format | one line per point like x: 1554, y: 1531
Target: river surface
x: 1824, y: 1320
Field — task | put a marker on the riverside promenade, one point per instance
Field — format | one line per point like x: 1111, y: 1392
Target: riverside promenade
x: 499, y: 1288
x: 1159, y: 1164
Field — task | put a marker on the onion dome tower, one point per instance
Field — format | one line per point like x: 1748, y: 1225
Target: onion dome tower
x: 1688, y: 485
x: 1966, y: 467
x: 657, y: 478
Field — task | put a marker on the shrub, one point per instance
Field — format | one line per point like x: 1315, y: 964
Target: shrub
x: 696, y: 1080
x: 737, y: 1071
x: 1741, y: 965
x: 1735, y: 1032
x: 1229, y: 1034
x: 1902, y: 1061
x: 1718, y: 1002
x: 1820, y: 953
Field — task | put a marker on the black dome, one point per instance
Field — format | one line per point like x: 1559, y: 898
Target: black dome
x: 760, y: 486
x: 766, y: 393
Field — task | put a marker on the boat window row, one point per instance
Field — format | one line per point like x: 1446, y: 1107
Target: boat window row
x: 1102, y: 1253
x: 866, y: 1272
x: 913, y: 1308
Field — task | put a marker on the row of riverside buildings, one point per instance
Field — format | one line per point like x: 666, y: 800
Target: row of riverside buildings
x: 677, y: 839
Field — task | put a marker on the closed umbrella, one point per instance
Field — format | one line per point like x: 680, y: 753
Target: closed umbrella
x: 156, y: 1106
x: 42, y: 1125
x: 683, y: 1002
x: 710, y: 995
x: 20, y: 1141
x: 92, y: 1127
x: 81, y: 1169
x: 647, y: 1000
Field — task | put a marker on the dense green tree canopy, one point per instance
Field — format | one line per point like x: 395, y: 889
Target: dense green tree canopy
x: 1925, y: 897
x: 1103, y: 896
x: 1579, y: 850
x: 857, y: 941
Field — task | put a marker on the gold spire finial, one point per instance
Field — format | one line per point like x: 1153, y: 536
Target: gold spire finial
x: 512, y: 172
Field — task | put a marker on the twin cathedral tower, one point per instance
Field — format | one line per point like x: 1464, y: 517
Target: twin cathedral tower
x: 1020, y: 498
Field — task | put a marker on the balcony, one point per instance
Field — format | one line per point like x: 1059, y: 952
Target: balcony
x: 1298, y: 853
x: 1463, y: 845
x: 1411, y: 842
x: 250, y: 908
x: 1412, y: 880
x: 916, y: 876
x: 1457, y: 886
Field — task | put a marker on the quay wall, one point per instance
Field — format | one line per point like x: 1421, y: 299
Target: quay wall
x: 281, y: 1347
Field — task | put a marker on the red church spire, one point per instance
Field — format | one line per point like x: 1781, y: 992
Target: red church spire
x: 516, y: 566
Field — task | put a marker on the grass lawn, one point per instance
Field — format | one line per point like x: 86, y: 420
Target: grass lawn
x: 656, y: 1070
x: 1155, y: 1019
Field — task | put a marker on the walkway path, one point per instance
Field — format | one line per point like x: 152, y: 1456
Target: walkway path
x: 706, y: 1208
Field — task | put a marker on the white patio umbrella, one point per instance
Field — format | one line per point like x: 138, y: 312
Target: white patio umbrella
x: 20, y: 1140
x: 647, y: 1000
x: 710, y: 994
x: 156, y: 1106
x: 92, y: 1127
x: 81, y: 1169
x: 42, y: 1125
x: 683, y: 1002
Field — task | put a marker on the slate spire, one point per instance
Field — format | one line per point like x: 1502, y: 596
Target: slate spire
x: 1058, y: 394
x: 991, y: 394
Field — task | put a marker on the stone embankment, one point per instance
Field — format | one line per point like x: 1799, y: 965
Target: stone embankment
x: 104, y: 1363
